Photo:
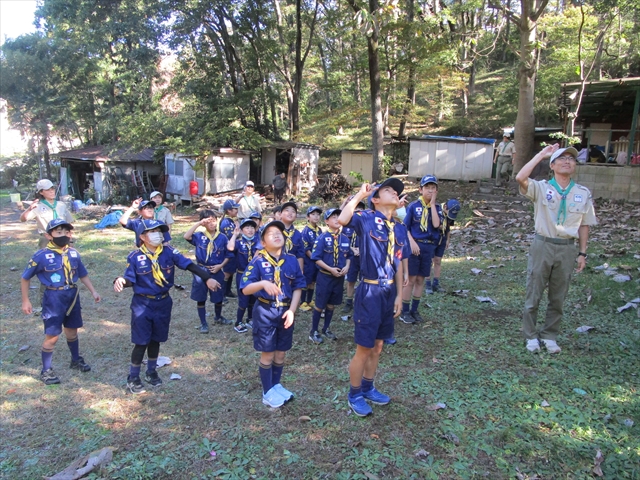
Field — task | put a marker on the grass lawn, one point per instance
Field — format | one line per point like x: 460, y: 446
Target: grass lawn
x: 508, y: 414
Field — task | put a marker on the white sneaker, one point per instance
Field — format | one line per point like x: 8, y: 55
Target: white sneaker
x: 273, y: 398
x: 286, y: 394
x: 533, y: 345
x: 552, y: 346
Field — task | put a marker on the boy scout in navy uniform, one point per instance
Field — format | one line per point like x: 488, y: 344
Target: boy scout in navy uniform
x: 150, y: 271
x: 332, y: 254
x: 212, y: 255
x: 450, y: 210
x: 378, y: 298
x: 58, y: 268
x: 146, y: 210
x: 227, y: 227
x: 354, y: 265
x: 563, y: 213
x: 423, y: 223
x: 244, y: 245
x: 293, y: 242
x: 309, y: 235
x: 275, y: 278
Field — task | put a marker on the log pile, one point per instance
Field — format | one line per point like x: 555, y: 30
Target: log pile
x: 332, y: 187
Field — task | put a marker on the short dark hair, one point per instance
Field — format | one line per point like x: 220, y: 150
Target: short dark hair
x: 277, y: 208
x: 208, y: 214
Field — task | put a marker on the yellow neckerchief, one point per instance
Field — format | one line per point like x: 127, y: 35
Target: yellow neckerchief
x: 249, y: 243
x: 288, y: 244
x: 158, y: 276
x: 317, y: 230
x: 424, y: 220
x: 392, y: 240
x: 64, y: 253
x: 336, y: 244
x: 275, y: 264
x: 211, y: 245
x: 52, y: 207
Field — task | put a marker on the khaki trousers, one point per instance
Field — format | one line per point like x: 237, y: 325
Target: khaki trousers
x: 503, y: 167
x: 551, y: 266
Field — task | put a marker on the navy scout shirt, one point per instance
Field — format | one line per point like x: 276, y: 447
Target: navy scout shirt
x: 47, y: 265
x: 291, y: 276
x: 138, y: 227
x: 323, y: 249
x: 139, y: 271
x: 227, y: 226
x: 245, y: 248
x: 415, y: 212
x: 219, y: 253
x: 297, y: 245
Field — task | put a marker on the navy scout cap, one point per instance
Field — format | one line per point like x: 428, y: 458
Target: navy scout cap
x: 147, y: 204
x: 332, y: 211
x: 428, y: 179
x: 151, y: 224
x: 58, y: 222
x: 453, y: 208
x: 313, y: 208
x: 229, y: 204
x: 290, y: 204
x: 392, y: 182
x: 248, y: 222
x: 255, y: 215
x: 274, y: 223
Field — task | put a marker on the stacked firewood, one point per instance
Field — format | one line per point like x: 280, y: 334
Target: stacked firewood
x: 331, y: 187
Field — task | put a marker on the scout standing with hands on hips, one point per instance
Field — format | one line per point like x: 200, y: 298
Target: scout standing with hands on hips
x: 58, y: 267
x: 150, y: 271
x: 563, y: 212
x: 378, y: 298
x: 276, y: 279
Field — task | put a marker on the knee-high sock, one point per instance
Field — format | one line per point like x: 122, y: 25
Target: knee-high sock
x: 74, y: 348
x: 328, y: 315
x: 47, y: 356
x: 276, y: 372
x: 202, y: 313
x: 315, y: 320
x: 266, y: 377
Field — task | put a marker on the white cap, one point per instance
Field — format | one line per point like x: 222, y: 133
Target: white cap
x: 560, y: 151
x: 153, y: 194
x: 44, y: 184
x: 249, y: 184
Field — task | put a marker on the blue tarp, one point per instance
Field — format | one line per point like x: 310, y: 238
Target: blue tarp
x: 109, y: 220
x: 488, y: 141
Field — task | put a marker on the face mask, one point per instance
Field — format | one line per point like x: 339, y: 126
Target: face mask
x: 155, y: 238
x: 401, y: 213
x: 61, y: 241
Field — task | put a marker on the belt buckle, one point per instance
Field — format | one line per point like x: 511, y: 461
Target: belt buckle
x: 66, y: 287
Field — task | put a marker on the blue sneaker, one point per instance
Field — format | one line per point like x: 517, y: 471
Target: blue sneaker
x: 359, y: 406
x: 374, y: 396
x: 286, y: 394
x: 390, y: 341
x: 272, y: 398
x: 428, y: 289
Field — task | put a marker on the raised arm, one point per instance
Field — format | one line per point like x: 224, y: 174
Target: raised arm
x: 125, y: 216
x: 349, y: 208
x: 523, y: 175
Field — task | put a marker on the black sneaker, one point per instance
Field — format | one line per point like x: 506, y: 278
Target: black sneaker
x: 134, y: 385
x: 406, y: 318
x: 436, y: 287
x: 249, y: 324
x: 225, y: 300
x: 153, y: 379
x: 80, y: 365
x: 223, y: 321
x: 315, y: 337
x: 417, y: 318
x: 240, y: 328
x: 348, y: 308
x: 49, y: 377
x: 330, y: 335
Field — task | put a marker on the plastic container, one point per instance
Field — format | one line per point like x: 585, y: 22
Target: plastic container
x: 15, y: 197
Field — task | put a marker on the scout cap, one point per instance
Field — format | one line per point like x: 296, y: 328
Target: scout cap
x: 153, y: 194
x: 274, y: 223
x: 44, y: 184
x: 290, y: 204
x: 428, y: 179
x: 453, y: 208
x: 255, y: 215
x: 247, y: 222
x: 229, y: 205
x: 560, y: 151
x: 313, y: 208
x: 58, y: 222
x: 151, y: 224
x: 392, y: 182
x: 332, y: 211
x: 147, y: 204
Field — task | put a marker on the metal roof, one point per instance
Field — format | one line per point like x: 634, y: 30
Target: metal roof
x: 106, y: 154
x: 602, y: 101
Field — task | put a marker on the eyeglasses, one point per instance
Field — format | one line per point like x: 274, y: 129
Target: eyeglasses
x: 566, y: 158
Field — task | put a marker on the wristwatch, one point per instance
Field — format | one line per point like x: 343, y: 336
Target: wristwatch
x: 582, y: 254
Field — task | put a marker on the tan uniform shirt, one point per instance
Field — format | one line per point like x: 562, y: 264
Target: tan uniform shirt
x: 546, y: 206
x: 164, y: 215
x: 248, y: 205
x: 506, y: 149
x: 44, y: 214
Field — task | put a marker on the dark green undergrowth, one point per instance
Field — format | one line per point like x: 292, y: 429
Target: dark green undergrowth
x: 210, y: 424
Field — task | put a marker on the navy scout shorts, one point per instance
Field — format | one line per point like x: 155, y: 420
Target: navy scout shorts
x: 199, y: 289
x: 55, y: 304
x: 269, y: 333
x: 150, y: 318
x: 373, y: 313
x: 421, y: 264
x: 354, y: 269
x: 329, y: 290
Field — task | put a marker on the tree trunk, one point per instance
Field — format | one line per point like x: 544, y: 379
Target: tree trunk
x: 376, y: 102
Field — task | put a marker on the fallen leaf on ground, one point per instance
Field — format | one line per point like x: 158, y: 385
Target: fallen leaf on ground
x: 476, y: 271
x: 93, y: 461
x: 545, y: 404
x: 597, y: 461
x: 10, y: 391
x: 437, y: 406
x: 583, y: 329
x: 626, y: 306
x: 486, y: 299
x: 175, y: 376
x: 579, y: 391
x: 373, y: 435
x: 304, y: 418
x: 421, y: 453
x: 24, y: 348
